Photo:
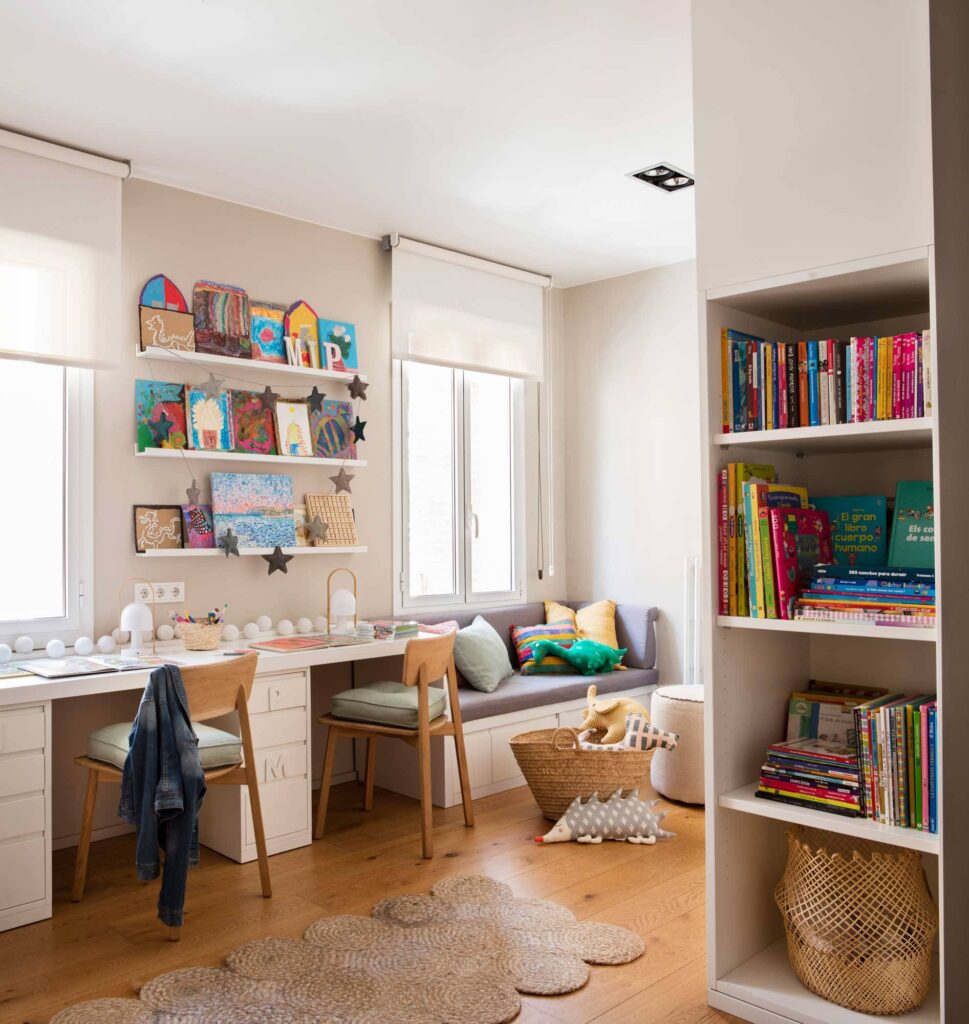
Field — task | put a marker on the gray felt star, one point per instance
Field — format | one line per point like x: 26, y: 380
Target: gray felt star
x: 162, y: 427
x: 231, y: 543
x: 315, y: 399
x: 277, y: 560
x: 357, y: 429
x: 357, y: 388
x: 342, y: 480
x: 193, y: 493
x: 268, y: 398
x: 316, y: 529
x: 212, y: 386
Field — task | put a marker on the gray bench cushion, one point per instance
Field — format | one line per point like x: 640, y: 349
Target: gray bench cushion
x: 386, y: 704
x: 217, y: 749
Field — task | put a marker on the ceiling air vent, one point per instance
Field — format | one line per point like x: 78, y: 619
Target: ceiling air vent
x: 664, y: 176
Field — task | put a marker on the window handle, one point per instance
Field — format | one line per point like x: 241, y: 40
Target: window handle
x: 474, y: 520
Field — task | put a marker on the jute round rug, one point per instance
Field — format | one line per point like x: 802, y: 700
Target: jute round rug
x: 461, y: 955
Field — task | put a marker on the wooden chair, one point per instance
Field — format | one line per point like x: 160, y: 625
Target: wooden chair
x: 212, y: 690
x: 425, y: 661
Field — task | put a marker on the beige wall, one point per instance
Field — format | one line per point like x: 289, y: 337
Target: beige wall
x: 633, y: 444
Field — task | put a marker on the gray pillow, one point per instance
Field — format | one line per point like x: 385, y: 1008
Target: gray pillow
x: 481, y: 656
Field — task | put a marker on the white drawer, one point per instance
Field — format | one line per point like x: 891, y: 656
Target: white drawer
x: 504, y: 765
x: 22, y: 773
x: 276, y: 693
x: 477, y: 748
x: 276, y: 728
x: 22, y: 730
x: 276, y: 765
x: 285, y: 808
x: 22, y: 817
x: 23, y: 872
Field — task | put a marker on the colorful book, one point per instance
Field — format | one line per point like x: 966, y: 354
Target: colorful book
x: 858, y: 528
x: 723, y: 547
x: 913, y: 529
x: 763, y: 497
x: 814, y: 418
x: 743, y: 472
x: 801, y: 538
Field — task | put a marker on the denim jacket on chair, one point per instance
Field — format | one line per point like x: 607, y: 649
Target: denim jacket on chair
x: 162, y: 787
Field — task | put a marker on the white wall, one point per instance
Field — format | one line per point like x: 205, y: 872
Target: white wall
x: 632, y: 440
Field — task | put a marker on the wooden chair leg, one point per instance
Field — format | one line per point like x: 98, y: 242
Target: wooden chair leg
x: 371, y: 773
x: 427, y: 818
x: 175, y: 934
x: 331, y: 738
x: 459, y: 747
x: 84, y: 842
x: 255, y: 804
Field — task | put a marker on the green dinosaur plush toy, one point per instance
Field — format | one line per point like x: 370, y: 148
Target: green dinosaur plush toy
x: 588, y: 656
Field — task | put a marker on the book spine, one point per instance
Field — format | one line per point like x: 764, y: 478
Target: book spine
x: 832, y: 401
x: 812, y: 382
x: 927, y: 390
x: 790, y: 367
x: 924, y: 725
x: 743, y: 606
x: 768, y: 388
x: 897, y: 346
x: 919, y: 377
x: 858, y: 715
x: 738, y: 386
x: 823, y: 382
x: 722, y: 542
x: 801, y: 801
x: 910, y: 764
x: 776, y: 391
x: 802, y: 385
x: 901, y: 760
x: 732, y: 535
x: 858, y: 378
x: 917, y: 766
x: 933, y: 770
x: 785, y: 585
x: 767, y: 567
x: 725, y: 388
x: 872, y: 376
x: 751, y: 386
x: 884, y: 399
x: 909, y: 363
x: 853, y: 380
x: 755, y: 581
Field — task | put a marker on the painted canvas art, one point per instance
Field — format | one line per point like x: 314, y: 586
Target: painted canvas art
x: 157, y: 527
x: 339, y: 341
x: 332, y: 431
x: 300, y: 324
x: 253, y: 428
x: 198, y: 529
x: 266, y: 326
x: 293, y: 428
x: 209, y: 421
x: 160, y: 292
x: 160, y: 414
x: 257, y: 507
x: 221, y: 314
x: 164, y: 328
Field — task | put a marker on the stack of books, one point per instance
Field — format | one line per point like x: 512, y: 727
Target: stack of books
x: 770, y: 385
x: 387, y: 629
x: 881, y: 595
x: 822, y: 774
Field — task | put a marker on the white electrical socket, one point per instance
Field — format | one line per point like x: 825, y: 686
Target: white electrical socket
x: 163, y: 593
x: 143, y: 593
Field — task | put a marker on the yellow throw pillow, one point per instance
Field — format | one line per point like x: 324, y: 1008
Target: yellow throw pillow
x: 595, y: 622
x: 555, y: 612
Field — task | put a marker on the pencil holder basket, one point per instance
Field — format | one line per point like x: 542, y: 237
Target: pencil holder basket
x: 859, y: 920
x: 200, y: 636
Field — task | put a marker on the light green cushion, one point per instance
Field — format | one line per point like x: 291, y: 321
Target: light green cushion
x: 385, y: 704
x: 216, y: 748
x: 481, y: 655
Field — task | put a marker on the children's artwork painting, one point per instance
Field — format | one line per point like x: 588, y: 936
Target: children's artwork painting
x: 160, y: 292
x: 160, y: 414
x: 221, y: 314
x: 257, y: 507
x: 300, y: 326
x: 332, y: 430
x: 266, y: 326
x: 299, y: 521
x: 157, y: 527
x: 164, y: 328
x: 253, y: 429
x: 339, y: 341
x: 293, y: 428
x: 209, y: 421
x: 198, y: 528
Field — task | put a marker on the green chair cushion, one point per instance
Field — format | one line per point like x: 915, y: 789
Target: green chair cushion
x: 385, y: 704
x: 217, y: 749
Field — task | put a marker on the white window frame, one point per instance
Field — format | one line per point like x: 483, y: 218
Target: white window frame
x: 465, y: 597
x: 78, y: 619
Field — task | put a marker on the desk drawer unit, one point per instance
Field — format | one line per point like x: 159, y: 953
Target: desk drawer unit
x: 25, y: 830
x: 280, y: 719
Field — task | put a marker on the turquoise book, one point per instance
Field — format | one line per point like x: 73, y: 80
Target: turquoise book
x: 859, y: 528
x: 913, y: 529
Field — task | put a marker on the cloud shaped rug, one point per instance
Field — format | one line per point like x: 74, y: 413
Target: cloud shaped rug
x: 461, y: 955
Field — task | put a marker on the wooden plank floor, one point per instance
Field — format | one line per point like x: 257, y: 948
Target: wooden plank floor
x: 111, y: 942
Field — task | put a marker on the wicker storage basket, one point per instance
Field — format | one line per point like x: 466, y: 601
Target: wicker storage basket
x: 200, y: 636
x: 557, y: 770
x: 859, y: 921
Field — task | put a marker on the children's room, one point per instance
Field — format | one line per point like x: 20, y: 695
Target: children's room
x: 488, y: 471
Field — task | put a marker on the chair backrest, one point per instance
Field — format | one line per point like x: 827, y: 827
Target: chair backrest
x: 213, y: 690
x: 432, y: 654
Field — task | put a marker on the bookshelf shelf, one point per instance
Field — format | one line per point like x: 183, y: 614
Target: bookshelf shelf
x: 863, y: 629
x: 880, y: 435
x: 293, y: 460
x: 743, y: 800
x: 257, y: 367
x: 218, y: 552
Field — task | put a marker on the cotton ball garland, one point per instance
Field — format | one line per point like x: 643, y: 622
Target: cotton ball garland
x: 178, y: 631
x: 5, y: 653
x: 55, y: 648
x: 319, y: 624
x: 165, y: 632
x: 284, y: 627
x: 230, y: 632
x: 106, y: 644
x: 23, y: 645
x: 83, y: 646
x: 250, y: 631
x: 303, y: 625
x: 265, y: 623
x: 119, y: 635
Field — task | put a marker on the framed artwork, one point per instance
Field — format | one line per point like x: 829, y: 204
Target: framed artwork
x: 198, y: 529
x: 209, y: 421
x: 339, y: 341
x: 253, y: 428
x: 160, y: 292
x: 299, y: 520
x: 300, y: 327
x: 160, y: 415
x: 157, y: 527
x: 221, y: 313
x: 293, y: 428
x: 336, y: 511
x: 331, y: 430
x: 257, y: 507
x: 164, y: 328
x: 266, y: 326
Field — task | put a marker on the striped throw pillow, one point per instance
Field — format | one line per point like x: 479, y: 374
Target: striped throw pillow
x: 524, y: 637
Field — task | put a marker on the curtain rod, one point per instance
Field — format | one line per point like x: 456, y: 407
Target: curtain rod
x: 464, y: 259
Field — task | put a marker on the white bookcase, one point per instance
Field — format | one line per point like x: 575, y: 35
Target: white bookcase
x: 753, y: 665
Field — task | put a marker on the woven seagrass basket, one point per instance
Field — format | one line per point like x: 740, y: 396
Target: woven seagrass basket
x: 859, y: 921
x: 200, y: 636
x: 558, y: 770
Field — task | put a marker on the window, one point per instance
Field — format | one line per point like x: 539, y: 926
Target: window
x: 461, y: 485
x: 45, y: 519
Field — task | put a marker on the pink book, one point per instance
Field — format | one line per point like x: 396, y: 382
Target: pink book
x: 722, y: 544
x: 800, y: 539
x: 897, y: 344
x: 924, y: 723
x: 781, y: 373
x: 861, y: 379
x: 832, y: 396
x: 909, y: 360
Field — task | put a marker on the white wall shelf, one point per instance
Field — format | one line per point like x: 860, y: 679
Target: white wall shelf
x: 258, y: 367
x: 209, y: 456
x: 879, y: 435
x: 743, y: 800
x: 210, y: 552
x: 865, y: 629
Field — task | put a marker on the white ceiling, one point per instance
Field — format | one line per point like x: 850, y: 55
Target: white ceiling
x: 503, y: 128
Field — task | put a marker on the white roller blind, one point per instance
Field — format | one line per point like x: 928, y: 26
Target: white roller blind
x: 60, y: 254
x: 465, y: 312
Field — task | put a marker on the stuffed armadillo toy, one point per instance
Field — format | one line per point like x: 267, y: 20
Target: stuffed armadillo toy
x: 608, y: 716
x: 623, y: 818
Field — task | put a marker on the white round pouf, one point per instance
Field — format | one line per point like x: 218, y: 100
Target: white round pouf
x: 678, y: 774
